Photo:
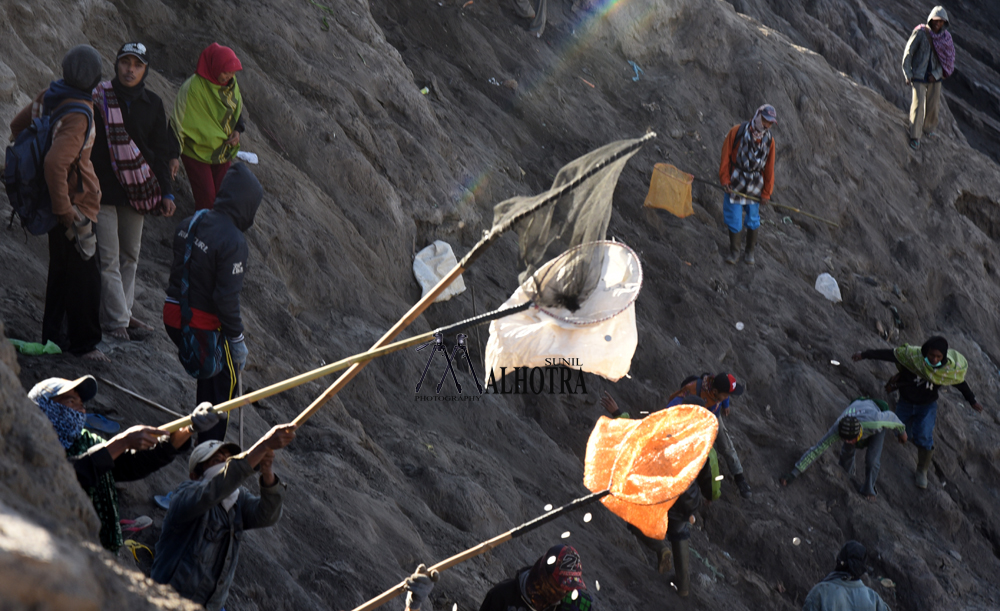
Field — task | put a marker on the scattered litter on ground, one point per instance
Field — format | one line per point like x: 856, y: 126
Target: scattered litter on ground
x: 739, y: 326
x: 250, y: 158
x: 827, y: 286
x: 787, y: 220
x: 493, y: 81
x: 835, y: 363
x: 565, y: 535
x: 796, y: 541
x: 586, y: 81
x: 34, y: 348
x: 888, y: 583
x: 425, y: 90
x: 548, y: 507
x: 467, y: 4
x: 637, y: 69
x: 432, y: 264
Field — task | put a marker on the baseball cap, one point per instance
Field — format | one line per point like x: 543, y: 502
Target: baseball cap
x: 725, y: 382
x: 85, y: 386
x: 768, y: 113
x: 139, y: 50
x: 206, y: 450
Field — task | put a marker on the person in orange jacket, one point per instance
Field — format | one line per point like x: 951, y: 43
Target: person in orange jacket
x: 747, y: 168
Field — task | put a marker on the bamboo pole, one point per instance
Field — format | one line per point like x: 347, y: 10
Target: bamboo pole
x: 757, y: 199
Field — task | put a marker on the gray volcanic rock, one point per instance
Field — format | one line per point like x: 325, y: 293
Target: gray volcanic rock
x: 361, y: 170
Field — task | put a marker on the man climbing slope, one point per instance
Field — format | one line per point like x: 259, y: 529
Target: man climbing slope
x: 747, y: 168
x: 862, y: 425
x: 922, y: 371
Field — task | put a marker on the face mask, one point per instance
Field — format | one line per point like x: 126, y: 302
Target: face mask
x: 932, y: 366
x: 230, y: 500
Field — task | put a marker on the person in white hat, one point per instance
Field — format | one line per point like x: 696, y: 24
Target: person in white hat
x: 199, y: 544
x: 99, y: 463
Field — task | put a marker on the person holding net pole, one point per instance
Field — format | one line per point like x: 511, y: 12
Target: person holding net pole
x: 747, y: 168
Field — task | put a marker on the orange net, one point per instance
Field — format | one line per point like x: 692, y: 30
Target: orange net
x: 648, y: 463
x: 670, y: 190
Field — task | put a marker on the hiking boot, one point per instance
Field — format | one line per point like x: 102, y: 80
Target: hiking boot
x: 743, y: 485
x: 524, y: 9
x: 914, y: 144
x: 734, y: 248
x: 664, y: 562
x: 682, y: 566
x: 751, y: 244
x: 923, y: 464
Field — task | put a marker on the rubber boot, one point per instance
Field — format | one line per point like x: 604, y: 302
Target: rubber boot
x: 751, y: 244
x: 664, y: 560
x: 682, y: 567
x: 923, y: 464
x: 734, y: 248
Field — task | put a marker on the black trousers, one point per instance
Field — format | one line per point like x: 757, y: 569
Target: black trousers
x: 72, y: 297
x: 215, y: 390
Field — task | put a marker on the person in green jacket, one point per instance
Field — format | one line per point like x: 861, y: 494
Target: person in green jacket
x: 862, y: 425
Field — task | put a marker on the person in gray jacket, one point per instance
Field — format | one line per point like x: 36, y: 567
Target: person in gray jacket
x: 843, y: 589
x: 929, y: 58
x: 199, y: 544
x: 862, y: 425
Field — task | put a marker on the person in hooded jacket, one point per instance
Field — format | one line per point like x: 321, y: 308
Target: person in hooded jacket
x: 843, y: 589
x: 928, y: 59
x: 553, y: 583
x: 135, y: 159
x: 73, y: 289
x: 208, y: 119
x: 216, y: 268
x: 922, y: 371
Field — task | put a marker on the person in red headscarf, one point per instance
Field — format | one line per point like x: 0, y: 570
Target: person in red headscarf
x: 208, y: 119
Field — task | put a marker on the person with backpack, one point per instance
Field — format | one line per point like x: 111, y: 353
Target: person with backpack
x: 928, y: 59
x: 747, y: 168
x: 131, y: 455
x: 135, y: 157
x: 861, y: 426
x: 199, y: 546
x: 843, y: 589
x: 202, y: 307
x: 553, y: 583
x: 65, y: 114
x: 208, y: 119
x: 922, y: 371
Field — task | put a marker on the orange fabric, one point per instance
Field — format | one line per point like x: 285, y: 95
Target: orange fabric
x: 729, y: 160
x: 648, y: 463
x: 60, y: 161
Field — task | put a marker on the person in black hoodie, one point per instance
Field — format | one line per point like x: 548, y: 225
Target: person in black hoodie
x: 135, y: 157
x: 215, y: 266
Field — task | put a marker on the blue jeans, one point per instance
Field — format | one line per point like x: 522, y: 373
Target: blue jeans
x: 919, y: 421
x: 733, y: 214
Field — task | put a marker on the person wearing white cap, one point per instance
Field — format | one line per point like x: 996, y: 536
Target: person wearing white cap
x: 200, y: 540
x: 99, y: 463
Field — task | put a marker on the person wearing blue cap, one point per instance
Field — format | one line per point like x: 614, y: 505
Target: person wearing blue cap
x: 747, y: 168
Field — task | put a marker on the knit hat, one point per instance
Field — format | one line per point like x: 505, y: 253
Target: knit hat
x: 82, y: 67
x: 935, y: 343
x: 849, y: 428
x: 851, y: 559
x: 726, y: 383
x: 557, y: 572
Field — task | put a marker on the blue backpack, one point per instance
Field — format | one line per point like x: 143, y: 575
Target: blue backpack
x: 24, y: 176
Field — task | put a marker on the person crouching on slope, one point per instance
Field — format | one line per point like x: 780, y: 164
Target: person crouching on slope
x: 747, y: 168
x: 554, y: 583
x: 922, y: 371
x: 202, y: 308
x: 843, y: 589
x: 862, y: 425
x: 199, y: 544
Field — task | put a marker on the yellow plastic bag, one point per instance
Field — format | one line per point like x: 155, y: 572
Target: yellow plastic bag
x: 670, y: 190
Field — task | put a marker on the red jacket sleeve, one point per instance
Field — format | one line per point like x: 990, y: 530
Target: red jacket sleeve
x: 725, y: 166
x: 768, y: 174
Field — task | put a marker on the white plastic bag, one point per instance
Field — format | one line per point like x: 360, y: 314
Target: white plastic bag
x: 433, y: 263
x: 534, y: 338
x: 827, y: 286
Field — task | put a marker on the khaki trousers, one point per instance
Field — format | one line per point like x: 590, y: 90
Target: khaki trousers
x: 119, y: 237
x: 924, y: 108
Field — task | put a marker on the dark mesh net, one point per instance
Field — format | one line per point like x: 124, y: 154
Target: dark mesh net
x: 579, y: 216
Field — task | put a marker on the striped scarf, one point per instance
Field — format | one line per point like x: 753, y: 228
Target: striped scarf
x: 944, y: 48
x: 132, y: 170
x: 751, y: 157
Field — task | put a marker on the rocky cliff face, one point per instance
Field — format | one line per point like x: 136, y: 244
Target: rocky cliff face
x: 360, y: 170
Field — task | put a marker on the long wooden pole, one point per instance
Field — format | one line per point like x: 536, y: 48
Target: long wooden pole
x: 757, y: 199
x: 485, y: 546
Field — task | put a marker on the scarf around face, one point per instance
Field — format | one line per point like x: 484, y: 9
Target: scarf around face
x: 103, y: 495
x: 67, y: 422
x: 130, y: 167
x: 751, y: 157
x: 944, y: 48
x: 204, y: 116
x: 951, y: 373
